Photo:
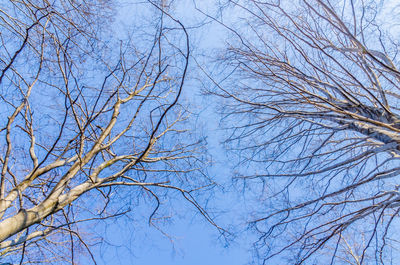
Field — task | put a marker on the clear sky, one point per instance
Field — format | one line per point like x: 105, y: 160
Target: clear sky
x: 194, y: 241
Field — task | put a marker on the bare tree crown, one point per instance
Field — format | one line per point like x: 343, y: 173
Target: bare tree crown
x: 88, y: 115
x: 313, y: 111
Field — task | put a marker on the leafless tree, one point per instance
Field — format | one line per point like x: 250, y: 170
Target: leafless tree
x: 311, y: 101
x: 88, y: 116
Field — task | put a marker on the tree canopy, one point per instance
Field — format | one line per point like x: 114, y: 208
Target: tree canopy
x: 93, y: 124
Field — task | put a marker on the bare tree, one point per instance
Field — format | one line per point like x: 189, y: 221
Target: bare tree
x: 88, y: 116
x: 311, y: 101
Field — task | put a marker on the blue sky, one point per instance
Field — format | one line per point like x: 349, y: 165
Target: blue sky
x: 194, y: 241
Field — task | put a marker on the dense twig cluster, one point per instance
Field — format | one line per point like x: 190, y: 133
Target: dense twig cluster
x: 84, y: 111
x: 314, y: 112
